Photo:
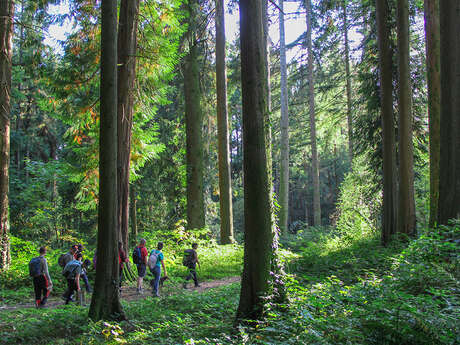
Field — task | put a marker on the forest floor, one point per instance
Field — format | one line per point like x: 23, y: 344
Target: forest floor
x: 130, y: 294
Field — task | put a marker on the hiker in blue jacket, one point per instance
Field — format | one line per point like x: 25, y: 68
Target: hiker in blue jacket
x: 72, y: 272
x: 156, y: 261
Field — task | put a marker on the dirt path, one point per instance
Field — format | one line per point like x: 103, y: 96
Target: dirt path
x: 130, y: 294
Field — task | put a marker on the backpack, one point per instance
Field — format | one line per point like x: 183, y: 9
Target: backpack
x: 188, y: 259
x: 62, y: 259
x: 35, y: 267
x: 70, y: 268
x: 153, y: 258
x: 137, y: 256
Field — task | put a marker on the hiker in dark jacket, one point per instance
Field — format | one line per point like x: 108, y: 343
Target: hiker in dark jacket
x: 141, y: 265
x: 72, y: 272
x: 191, y: 264
x: 42, y: 280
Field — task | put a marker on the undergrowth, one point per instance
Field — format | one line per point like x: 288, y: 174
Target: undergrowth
x: 341, y: 291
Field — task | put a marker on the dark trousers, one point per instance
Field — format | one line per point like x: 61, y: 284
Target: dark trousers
x: 71, y: 288
x: 192, y: 275
x: 41, y: 288
x: 85, y: 280
x: 120, y: 277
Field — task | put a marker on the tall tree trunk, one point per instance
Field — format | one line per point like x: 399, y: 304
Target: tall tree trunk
x: 406, y: 211
x: 284, y: 164
x: 348, y: 78
x: 311, y: 103
x: 389, y: 215
x: 133, y: 214
x: 105, y: 303
x: 257, y: 173
x: 449, y: 174
x: 434, y: 100
x: 6, y: 52
x: 127, y: 47
x: 225, y: 181
x: 194, y: 127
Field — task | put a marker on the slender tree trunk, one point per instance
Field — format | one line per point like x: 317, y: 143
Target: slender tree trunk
x: 105, y: 303
x: 348, y: 78
x: 257, y: 178
x: 225, y: 181
x: 406, y: 212
x: 389, y: 215
x: 284, y: 166
x: 133, y: 215
x: 449, y: 174
x: 6, y: 52
x: 127, y: 47
x: 194, y: 128
x: 434, y: 100
x: 311, y: 103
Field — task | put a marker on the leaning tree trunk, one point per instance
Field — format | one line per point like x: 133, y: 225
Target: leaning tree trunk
x: 311, y: 103
x: 225, y: 182
x: 284, y: 164
x: 389, y: 215
x: 434, y: 100
x: 257, y: 178
x: 449, y: 174
x: 406, y: 211
x: 193, y: 127
x: 348, y: 83
x: 127, y: 47
x: 6, y: 52
x: 105, y: 303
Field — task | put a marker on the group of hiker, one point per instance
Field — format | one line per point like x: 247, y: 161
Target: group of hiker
x: 74, y: 268
x: 155, y: 262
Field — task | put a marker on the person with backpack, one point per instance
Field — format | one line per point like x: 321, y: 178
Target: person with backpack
x: 63, y: 260
x: 38, y: 270
x: 140, y: 256
x: 83, y: 273
x: 72, y: 272
x: 190, y: 260
x: 156, y: 261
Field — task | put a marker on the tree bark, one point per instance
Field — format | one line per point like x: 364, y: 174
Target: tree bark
x: 105, y: 303
x: 284, y: 164
x: 194, y: 127
x: 133, y: 215
x: 6, y: 53
x: 127, y: 47
x: 406, y: 211
x: 311, y: 103
x: 257, y: 174
x: 225, y: 184
x: 434, y: 100
x: 348, y: 84
x: 449, y: 174
x: 389, y: 214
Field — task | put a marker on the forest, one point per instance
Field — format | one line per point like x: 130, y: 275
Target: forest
x: 230, y: 172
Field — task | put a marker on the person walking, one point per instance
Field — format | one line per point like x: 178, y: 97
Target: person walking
x: 38, y: 269
x: 83, y: 273
x: 72, y: 272
x: 140, y: 257
x: 190, y: 261
x: 64, y: 260
x: 156, y: 262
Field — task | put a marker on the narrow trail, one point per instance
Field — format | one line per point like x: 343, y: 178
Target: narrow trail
x: 130, y: 294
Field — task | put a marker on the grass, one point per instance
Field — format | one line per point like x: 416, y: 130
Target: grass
x: 342, y: 290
